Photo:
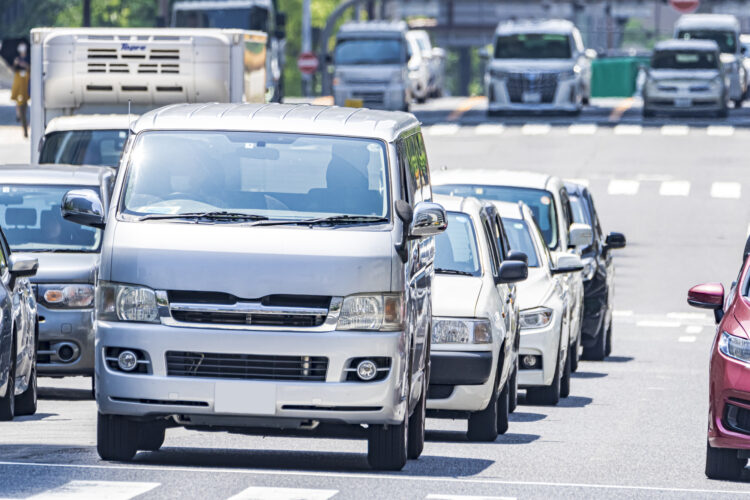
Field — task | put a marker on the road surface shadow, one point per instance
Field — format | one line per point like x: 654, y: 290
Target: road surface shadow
x: 519, y: 416
x: 618, y: 359
x: 460, y: 437
x: 35, y: 417
x: 569, y: 402
x: 57, y: 393
x: 588, y: 375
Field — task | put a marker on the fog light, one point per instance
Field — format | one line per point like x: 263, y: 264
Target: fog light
x: 529, y: 361
x: 366, y: 370
x: 127, y: 361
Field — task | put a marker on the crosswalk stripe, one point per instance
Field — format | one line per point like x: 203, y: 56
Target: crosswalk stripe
x: 720, y: 130
x: 489, y: 129
x: 264, y: 493
x: 444, y: 129
x: 536, y: 129
x: 624, y: 129
x: 433, y: 496
x: 582, y: 129
x: 686, y: 338
x: 622, y: 313
x: 674, y: 188
x: 675, y: 130
x: 695, y: 316
x: 726, y: 190
x: 96, y: 490
x: 621, y: 186
x: 694, y: 329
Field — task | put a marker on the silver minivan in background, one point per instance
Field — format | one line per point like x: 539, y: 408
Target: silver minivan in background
x: 370, y: 61
x: 266, y: 267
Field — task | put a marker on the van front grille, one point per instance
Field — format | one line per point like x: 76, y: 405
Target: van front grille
x: 246, y: 366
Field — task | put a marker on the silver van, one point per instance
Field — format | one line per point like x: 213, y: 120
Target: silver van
x: 266, y: 267
x: 370, y: 62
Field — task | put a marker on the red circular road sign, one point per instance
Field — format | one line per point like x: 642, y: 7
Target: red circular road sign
x: 307, y: 63
x: 684, y: 6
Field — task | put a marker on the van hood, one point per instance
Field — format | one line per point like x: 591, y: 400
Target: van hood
x: 535, y: 290
x: 455, y: 295
x: 62, y: 267
x: 683, y: 74
x: 252, y: 262
x: 369, y: 74
x: 532, y: 65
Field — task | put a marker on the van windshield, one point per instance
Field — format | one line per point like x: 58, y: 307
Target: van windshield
x: 683, y: 59
x: 369, y: 51
x: 456, y: 248
x: 520, y: 239
x: 244, y: 18
x: 727, y: 40
x: 84, y: 147
x: 533, y: 46
x: 32, y: 220
x: 274, y: 175
x: 540, y: 202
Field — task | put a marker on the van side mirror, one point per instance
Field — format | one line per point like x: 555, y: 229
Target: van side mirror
x: 581, y: 235
x: 518, y: 256
x: 511, y: 271
x: 615, y: 240
x: 429, y: 219
x: 567, y: 263
x: 83, y: 206
x: 21, y: 267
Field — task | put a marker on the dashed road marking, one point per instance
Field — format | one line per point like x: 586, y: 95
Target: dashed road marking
x: 622, y: 186
x: 433, y: 496
x: 536, y: 129
x: 687, y: 315
x: 582, y: 129
x: 686, y: 339
x: 95, y: 490
x: 622, y: 313
x: 261, y: 493
x: 444, y: 129
x: 465, y: 106
x: 489, y: 129
x: 674, y: 188
x: 620, y: 109
x: 655, y: 323
x: 720, y: 130
x: 675, y: 130
x: 694, y: 329
x: 623, y: 129
x: 727, y: 190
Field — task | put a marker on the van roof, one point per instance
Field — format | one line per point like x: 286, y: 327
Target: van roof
x: 705, y: 45
x: 90, y: 122
x: 292, y: 118
x: 373, y: 26
x: 508, y: 210
x: 219, y: 4
x: 491, y: 178
x: 469, y: 204
x: 708, y: 21
x: 65, y: 175
x: 557, y: 26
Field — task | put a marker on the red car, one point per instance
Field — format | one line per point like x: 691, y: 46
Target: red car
x: 728, y: 446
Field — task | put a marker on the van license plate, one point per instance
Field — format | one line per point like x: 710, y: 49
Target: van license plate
x: 531, y: 97
x: 354, y: 103
x: 683, y: 102
x: 245, y: 398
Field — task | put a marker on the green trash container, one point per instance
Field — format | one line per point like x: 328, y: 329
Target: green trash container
x: 615, y: 76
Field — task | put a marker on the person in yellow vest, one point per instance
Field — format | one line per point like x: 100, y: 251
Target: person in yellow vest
x: 19, y: 92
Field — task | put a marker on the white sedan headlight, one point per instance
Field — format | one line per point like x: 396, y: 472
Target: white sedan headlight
x: 379, y: 312
x: 538, y: 317
x: 67, y: 296
x: 735, y: 347
x: 119, y: 302
x: 461, y: 331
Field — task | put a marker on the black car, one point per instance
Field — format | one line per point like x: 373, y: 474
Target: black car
x: 598, y: 276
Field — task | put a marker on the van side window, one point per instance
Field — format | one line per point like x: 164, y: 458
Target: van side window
x: 567, y: 212
x: 4, y: 255
x: 415, y: 171
x: 407, y: 180
x: 491, y: 244
x: 502, y: 238
x: 424, y: 168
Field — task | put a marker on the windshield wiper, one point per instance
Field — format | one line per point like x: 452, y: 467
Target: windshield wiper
x: 440, y: 270
x: 217, y: 215
x: 332, y: 220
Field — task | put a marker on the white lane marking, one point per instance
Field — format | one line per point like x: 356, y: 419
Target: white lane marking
x: 686, y: 339
x: 489, y: 129
x: 622, y: 313
x: 536, y: 129
x: 726, y: 190
x: 95, y: 490
x: 582, y: 129
x: 445, y: 129
x: 355, y: 475
x: 621, y: 186
x: 582, y: 182
x: 674, y: 130
x: 624, y: 129
x: 433, y: 496
x: 261, y: 493
x: 655, y: 323
x: 694, y: 329
x: 687, y: 315
x: 674, y: 188
x: 720, y: 130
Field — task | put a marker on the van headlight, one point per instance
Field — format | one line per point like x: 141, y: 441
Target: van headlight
x: 118, y: 302
x: 538, y: 317
x: 66, y: 296
x: 378, y: 312
x: 734, y: 347
x: 461, y: 331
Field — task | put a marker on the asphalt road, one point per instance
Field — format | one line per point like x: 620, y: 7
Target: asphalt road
x: 634, y: 426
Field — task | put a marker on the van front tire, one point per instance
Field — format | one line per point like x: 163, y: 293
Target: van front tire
x: 117, y: 438
x: 483, y: 424
x: 387, y: 446
x: 417, y: 425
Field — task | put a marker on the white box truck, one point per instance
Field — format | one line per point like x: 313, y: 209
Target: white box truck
x: 108, y: 74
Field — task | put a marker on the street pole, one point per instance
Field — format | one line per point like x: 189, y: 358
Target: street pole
x: 87, y: 13
x: 306, y: 43
x: 162, y: 19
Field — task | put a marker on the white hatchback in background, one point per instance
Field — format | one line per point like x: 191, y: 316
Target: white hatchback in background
x: 549, y: 202
x: 474, y: 341
x: 545, y: 359
x: 419, y: 69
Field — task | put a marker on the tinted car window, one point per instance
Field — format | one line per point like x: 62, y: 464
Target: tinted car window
x: 520, y: 239
x: 726, y: 40
x: 533, y: 46
x: 252, y: 18
x: 84, y: 147
x: 456, y: 248
x: 369, y: 51
x: 670, y: 59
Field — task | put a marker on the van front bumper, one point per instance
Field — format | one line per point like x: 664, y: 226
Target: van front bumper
x: 566, y: 97
x: 471, y: 375
x: 388, y: 97
x: 334, y: 400
x: 544, y: 342
x: 66, y: 327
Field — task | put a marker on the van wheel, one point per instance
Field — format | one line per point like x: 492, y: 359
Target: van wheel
x: 117, y: 438
x: 565, y: 380
x: 722, y: 463
x: 387, y: 446
x: 513, y: 390
x: 737, y: 103
x: 598, y: 350
x: 151, y: 435
x: 503, y: 409
x: 574, y: 349
x: 547, y: 396
x: 417, y: 424
x: 483, y: 424
x: 8, y: 402
x: 608, y: 348
x: 26, y: 403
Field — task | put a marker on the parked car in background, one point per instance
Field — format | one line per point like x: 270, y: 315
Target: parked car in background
x: 723, y: 29
x: 85, y: 140
x: 371, y: 66
x: 745, y: 49
x: 474, y: 351
x: 686, y: 75
x: 728, y: 440
x: 549, y: 203
x: 598, y: 275
x: 538, y: 66
x: 435, y: 57
x: 68, y: 255
x: 314, y: 232
x: 545, y: 353
x: 19, y: 327
x: 419, y: 70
